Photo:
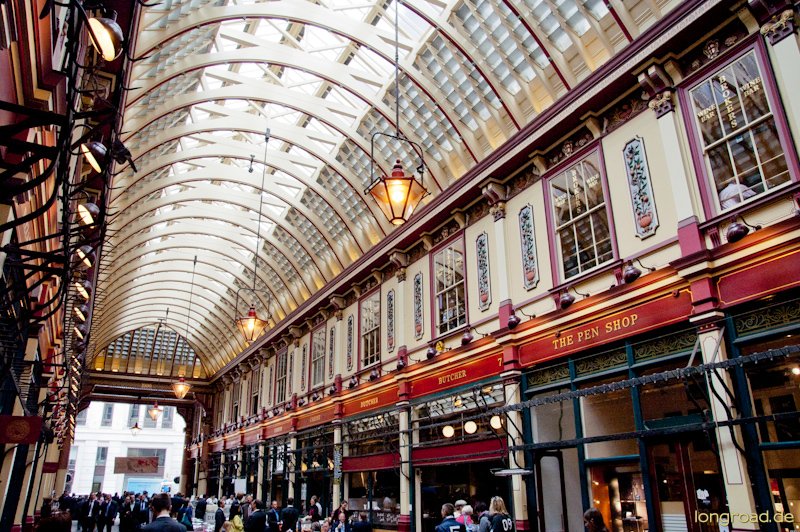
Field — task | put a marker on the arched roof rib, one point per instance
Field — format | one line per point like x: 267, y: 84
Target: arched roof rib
x: 212, y: 75
x: 135, y: 215
x: 252, y: 180
x: 201, y: 233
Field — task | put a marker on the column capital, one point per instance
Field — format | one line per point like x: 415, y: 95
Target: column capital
x: 658, y: 85
x: 779, y: 27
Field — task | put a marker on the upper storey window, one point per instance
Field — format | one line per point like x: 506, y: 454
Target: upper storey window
x: 580, y: 216
x: 741, y: 147
x: 318, y: 357
x: 449, y: 289
x: 370, y: 329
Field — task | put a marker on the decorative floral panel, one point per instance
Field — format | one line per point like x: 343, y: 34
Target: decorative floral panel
x: 484, y: 285
x: 418, y: 327
x: 530, y: 268
x: 390, y: 321
x: 332, y: 338
x: 290, y: 372
x: 269, y: 395
x: 303, y: 368
x: 644, y: 208
x: 350, y: 342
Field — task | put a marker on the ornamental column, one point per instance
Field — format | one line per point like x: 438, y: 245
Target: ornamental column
x: 336, y: 499
x: 659, y: 87
x: 406, y: 471
x: 400, y: 260
x: 497, y: 194
x: 738, y: 486
x: 779, y: 26
x: 512, y: 394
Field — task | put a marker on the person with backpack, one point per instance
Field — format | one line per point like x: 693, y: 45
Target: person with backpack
x: 500, y: 519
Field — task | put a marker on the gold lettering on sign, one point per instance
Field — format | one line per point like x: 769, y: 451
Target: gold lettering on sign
x: 586, y: 334
x: 450, y: 377
x: 312, y: 419
x: 369, y: 402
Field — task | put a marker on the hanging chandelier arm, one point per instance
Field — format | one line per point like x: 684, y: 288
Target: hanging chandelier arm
x: 396, y: 69
x: 191, y: 293
x: 260, y: 205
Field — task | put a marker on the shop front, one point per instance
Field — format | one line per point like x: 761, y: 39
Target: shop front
x: 458, y: 446
x: 371, y: 468
x: 314, y: 468
x: 278, y: 459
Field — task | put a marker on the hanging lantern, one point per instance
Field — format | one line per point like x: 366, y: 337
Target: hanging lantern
x: 251, y: 325
x: 154, y: 411
x: 136, y: 429
x: 180, y: 388
x: 398, y: 194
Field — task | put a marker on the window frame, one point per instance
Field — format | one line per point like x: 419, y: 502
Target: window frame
x: 459, y: 238
x: 554, y: 242
x: 256, y: 377
x: 108, y: 408
x: 706, y: 184
x: 374, y: 293
x: 281, y: 382
x: 313, y: 358
x: 168, y: 417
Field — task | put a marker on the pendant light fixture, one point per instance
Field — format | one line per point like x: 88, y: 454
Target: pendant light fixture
x: 154, y: 411
x: 397, y: 194
x: 136, y: 429
x: 251, y: 324
x: 180, y: 388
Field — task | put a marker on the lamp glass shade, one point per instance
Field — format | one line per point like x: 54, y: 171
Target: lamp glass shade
x: 95, y: 152
x: 251, y: 325
x: 86, y: 256
x: 88, y: 213
x: 84, y: 288
x: 496, y: 422
x: 398, y: 194
x: 136, y: 429
x: 106, y: 37
x: 448, y: 431
x: 81, y: 311
x: 180, y: 388
x: 154, y: 411
x: 470, y: 427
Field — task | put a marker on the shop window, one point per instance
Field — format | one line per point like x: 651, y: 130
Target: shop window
x: 553, y: 421
x: 608, y: 413
x: 318, y: 357
x: 382, y: 488
x: 580, y: 217
x: 449, y: 287
x: 280, y: 377
x: 742, y: 150
x: 617, y: 490
x: 370, y: 311
x: 373, y: 435
x: 460, y: 417
x: 675, y: 402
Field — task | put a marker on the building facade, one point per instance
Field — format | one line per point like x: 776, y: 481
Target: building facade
x: 103, y: 433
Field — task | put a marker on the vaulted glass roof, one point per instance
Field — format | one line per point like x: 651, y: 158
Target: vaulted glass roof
x: 210, y: 76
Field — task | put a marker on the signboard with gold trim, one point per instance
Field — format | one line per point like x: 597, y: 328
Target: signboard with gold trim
x: 464, y: 372
x: 20, y: 429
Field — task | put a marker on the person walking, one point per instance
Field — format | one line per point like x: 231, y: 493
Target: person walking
x: 341, y: 525
x: 110, y: 511
x: 449, y: 523
x: 483, y: 520
x: 237, y: 525
x: 274, y: 517
x: 466, y: 517
x: 219, y: 518
x: 162, y: 522
x: 593, y: 520
x: 363, y: 525
x: 200, y: 508
x: 501, y: 520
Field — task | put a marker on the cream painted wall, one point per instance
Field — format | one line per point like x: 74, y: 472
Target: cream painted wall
x: 645, y: 127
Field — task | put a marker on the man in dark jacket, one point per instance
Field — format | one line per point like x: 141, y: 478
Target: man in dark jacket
x: 289, y: 516
x: 449, y: 523
x: 363, y: 525
x: 89, y: 512
x: 162, y: 522
x: 200, y: 508
x: 258, y: 517
x: 110, y: 510
x: 219, y: 518
x: 141, y: 510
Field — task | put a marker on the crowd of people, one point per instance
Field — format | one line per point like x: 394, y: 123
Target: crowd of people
x: 164, y: 513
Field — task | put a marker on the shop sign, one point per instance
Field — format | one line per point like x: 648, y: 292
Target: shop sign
x: 373, y: 401
x: 124, y: 465
x: 316, y: 418
x: 337, y: 462
x: 458, y: 375
x: 277, y: 429
x: 657, y: 313
x: 759, y: 279
x: 20, y: 429
x: 251, y: 436
x: 216, y: 446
